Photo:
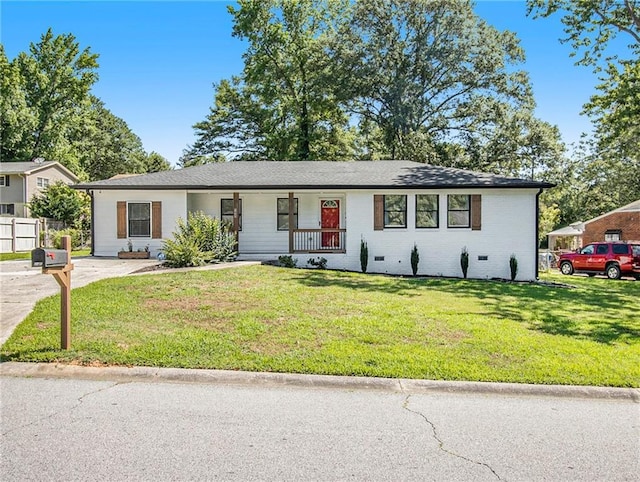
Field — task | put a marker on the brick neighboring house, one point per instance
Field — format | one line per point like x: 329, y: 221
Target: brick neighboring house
x: 622, y: 224
x: 19, y: 181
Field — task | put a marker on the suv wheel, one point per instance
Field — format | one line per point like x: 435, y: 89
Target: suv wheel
x: 613, y: 271
x: 566, y: 268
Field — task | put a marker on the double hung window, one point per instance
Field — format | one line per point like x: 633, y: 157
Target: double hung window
x: 226, y: 211
x: 139, y: 218
x: 283, y: 214
x: 427, y: 211
x: 395, y: 211
x: 458, y: 211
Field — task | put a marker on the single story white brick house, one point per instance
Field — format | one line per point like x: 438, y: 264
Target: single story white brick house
x: 324, y: 209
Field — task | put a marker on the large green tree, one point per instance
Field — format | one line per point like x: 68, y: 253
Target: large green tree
x: 55, y: 78
x: 282, y: 105
x: 154, y: 162
x: 17, y: 121
x: 427, y: 72
x: 105, y: 145
x: 48, y: 111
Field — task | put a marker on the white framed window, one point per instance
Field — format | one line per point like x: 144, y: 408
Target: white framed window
x: 139, y: 219
x: 4, y: 180
x: 42, y: 182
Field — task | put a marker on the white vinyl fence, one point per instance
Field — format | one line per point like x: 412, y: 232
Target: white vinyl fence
x: 19, y: 234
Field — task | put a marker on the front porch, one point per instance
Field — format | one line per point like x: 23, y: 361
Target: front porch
x: 277, y: 222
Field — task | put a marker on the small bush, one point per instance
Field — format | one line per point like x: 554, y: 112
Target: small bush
x: 464, y: 261
x: 513, y: 266
x: 320, y: 263
x: 183, y: 253
x: 364, y: 255
x: 415, y: 259
x: 287, y: 261
x: 77, y: 237
x: 201, y: 239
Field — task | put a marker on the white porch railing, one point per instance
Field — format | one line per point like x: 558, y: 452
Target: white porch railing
x: 319, y: 240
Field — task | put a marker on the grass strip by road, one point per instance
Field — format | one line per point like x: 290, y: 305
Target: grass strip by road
x: 263, y: 318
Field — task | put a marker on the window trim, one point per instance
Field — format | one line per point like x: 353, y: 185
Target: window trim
x: 42, y: 182
x: 139, y: 236
x: 437, y: 211
x: 295, y: 213
x: 222, y: 215
x: 3, y: 180
x: 385, y: 211
x: 468, y: 211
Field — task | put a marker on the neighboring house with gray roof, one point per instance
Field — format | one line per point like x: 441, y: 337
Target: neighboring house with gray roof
x: 19, y: 181
x: 319, y: 208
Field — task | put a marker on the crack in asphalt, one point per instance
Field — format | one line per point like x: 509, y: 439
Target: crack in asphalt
x: 441, y: 445
x: 79, y: 401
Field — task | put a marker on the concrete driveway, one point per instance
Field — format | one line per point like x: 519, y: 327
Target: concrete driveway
x: 22, y: 286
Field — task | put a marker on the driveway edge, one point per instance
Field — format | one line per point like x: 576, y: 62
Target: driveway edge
x: 228, y: 377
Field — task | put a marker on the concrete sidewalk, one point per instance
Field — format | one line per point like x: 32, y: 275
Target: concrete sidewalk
x: 22, y: 286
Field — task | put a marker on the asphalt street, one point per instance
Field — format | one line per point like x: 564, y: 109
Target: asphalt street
x: 113, y: 428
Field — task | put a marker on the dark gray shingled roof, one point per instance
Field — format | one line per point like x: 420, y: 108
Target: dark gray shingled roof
x: 296, y: 175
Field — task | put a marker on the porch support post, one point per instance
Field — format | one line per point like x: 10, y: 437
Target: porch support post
x: 291, y: 220
x: 236, y: 216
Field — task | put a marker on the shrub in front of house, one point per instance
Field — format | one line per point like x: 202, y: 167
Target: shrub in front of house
x: 513, y: 266
x: 415, y: 259
x: 201, y: 239
x: 287, y: 261
x: 464, y: 261
x: 182, y: 253
x: 320, y: 262
x: 364, y: 255
x: 77, y: 237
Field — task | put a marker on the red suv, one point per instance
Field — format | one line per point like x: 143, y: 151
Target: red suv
x: 613, y: 259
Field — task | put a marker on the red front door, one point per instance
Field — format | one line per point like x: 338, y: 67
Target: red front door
x: 330, y: 219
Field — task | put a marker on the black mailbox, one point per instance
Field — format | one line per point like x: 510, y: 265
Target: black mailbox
x: 48, y: 258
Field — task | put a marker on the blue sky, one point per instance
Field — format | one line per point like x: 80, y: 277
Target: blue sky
x: 159, y: 59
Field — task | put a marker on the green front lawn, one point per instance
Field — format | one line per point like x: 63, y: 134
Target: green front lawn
x: 27, y: 255
x: 263, y: 318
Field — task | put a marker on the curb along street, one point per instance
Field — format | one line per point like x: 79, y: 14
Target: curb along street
x: 227, y: 377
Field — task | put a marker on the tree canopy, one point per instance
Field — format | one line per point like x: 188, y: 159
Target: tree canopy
x: 48, y: 111
x: 62, y: 203
x: 371, y: 79
x: 282, y: 105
